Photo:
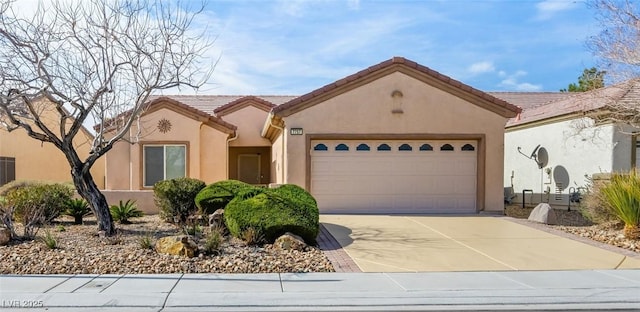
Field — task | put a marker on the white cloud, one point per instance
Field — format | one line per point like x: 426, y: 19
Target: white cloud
x: 548, y: 8
x: 512, y: 82
x: 481, y: 68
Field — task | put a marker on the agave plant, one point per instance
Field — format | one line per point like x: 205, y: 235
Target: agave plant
x: 622, y: 195
x: 124, y: 211
x: 78, y: 208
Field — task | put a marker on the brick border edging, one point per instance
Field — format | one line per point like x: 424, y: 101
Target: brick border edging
x: 339, y: 258
x: 588, y: 241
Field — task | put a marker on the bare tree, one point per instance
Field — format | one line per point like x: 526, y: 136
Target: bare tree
x: 94, y: 61
x: 617, y: 45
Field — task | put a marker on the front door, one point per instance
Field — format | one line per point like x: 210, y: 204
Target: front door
x: 249, y: 168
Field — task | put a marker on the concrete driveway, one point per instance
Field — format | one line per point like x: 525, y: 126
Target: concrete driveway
x: 379, y: 243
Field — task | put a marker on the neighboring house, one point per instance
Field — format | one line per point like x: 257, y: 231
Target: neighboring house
x: 25, y: 158
x: 396, y: 137
x: 575, y: 148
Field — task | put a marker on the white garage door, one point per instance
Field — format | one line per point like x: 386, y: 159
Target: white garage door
x: 394, y: 176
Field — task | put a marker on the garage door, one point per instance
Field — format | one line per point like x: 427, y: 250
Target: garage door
x: 394, y: 176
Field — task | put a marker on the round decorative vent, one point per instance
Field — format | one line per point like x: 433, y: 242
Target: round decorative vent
x: 164, y: 125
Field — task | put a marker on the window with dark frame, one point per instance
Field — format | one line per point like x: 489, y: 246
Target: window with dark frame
x: 363, y: 147
x: 163, y: 162
x: 7, y: 170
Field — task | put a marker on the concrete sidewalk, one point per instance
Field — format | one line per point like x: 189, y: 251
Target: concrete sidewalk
x: 435, y: 291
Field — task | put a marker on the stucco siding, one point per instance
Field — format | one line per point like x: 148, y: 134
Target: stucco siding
x: 205, y: 147
x: 249, y: 121
x: 43, y: 161
x: 576, y: 153
x: 425, y: 110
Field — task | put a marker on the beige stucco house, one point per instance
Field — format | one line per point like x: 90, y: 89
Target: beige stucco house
x: 25, y: 158
x: 396, y: 137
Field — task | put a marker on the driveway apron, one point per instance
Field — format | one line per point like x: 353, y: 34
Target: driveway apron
x: 382, y: 243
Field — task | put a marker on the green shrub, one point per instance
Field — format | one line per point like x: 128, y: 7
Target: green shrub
x: 593, y: 206
x: 213, y: 242
x: 77, y: 208
x: 273, y: 212
x: 146, y: 241
x: 125, y: 211
x: 49, y: 240
x: 176, y: 198
x: 217, y: 195
x: 46, y: 200
x: 622, y: 195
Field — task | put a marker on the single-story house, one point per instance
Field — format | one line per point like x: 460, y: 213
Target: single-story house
x: 396, y: 137
x: 25, y: 158
x: 553, y: 147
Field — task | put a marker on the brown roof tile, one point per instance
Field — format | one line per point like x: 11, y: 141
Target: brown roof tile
x: 250, y: 100
x: 581, y: 102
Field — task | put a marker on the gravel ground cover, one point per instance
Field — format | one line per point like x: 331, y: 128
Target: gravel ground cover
x: 81, y: 251
x: 574, y: 223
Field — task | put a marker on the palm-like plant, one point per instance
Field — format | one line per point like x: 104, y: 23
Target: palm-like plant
x: 622, y: 195
x: 77, y: 208
x: 124, y: 211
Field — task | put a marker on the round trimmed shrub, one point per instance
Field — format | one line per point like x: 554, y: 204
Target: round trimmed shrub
x: 273, y: 212
x: 217, y: 195
x: 175, y: 198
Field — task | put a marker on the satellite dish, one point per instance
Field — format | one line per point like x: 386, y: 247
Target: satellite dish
x: 533, y: 154
x: 541, y: 157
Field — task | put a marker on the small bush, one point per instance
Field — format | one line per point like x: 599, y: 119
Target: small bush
x: 217, y: 195
x: 49, y: 240
x: 273, y: 212
x: 146, y: 241
x: 252, y: 236
x: 213, y: 242
x: 125, y: 211
x: 622, y: 195
x: 593, y: 206
x: 49, y: 199
x: 176, y: 198
x: 77, y: 208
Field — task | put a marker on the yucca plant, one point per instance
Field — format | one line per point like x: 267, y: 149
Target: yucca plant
x: 622, y: 196
x: 124, y: 211
x: 78, y: 208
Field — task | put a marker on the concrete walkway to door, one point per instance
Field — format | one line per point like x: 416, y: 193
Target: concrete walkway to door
x: 379, y: 243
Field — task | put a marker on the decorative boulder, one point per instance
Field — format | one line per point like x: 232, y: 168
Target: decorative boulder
x: 177, y: 245
x: 290, y: 241
x: 543, y: 213
x: 216, y: 219
x: 5, y: 236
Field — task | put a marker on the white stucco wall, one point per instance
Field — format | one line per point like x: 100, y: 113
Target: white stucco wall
x: 581, y: 153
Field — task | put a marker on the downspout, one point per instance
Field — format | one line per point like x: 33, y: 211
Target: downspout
x: 281, y: 147
x: 235, y: 137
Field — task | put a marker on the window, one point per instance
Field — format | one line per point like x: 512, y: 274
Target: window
x: 468, y: 147
x: 342, y: 147
x: 426, y: 147
x: 320, y: 147
x: 163, y: 162
x: 384, y: 147
x: 405, y: 147
x: 7, y: 170
x: 446, y: 147
x: 363, y: 147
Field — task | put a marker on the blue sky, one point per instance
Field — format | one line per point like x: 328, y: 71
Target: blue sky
x: 293, y: 46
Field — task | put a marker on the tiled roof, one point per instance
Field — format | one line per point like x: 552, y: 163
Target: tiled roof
x: 526, y: 100
x: 624, y: 93
x: 208, y: 103
x: 304, y: 99
x: 242, y: 102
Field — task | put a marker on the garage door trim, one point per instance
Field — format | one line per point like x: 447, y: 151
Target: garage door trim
x: 481, y: 152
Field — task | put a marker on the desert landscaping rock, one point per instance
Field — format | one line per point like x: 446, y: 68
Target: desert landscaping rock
x: 5, y: 236
x: 81, y: 251
x: 177, y: 246
x: 290, y: 241
x: 543, y: 213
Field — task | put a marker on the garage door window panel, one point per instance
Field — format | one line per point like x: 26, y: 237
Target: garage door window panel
x: 426, y: 148
x: 384, y: 147
x: 342, y: 147
x: 320, y: 147
x: 446, y: 148
x: 405, y: 148
x: 363, y: 147
x: 468, y: 148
